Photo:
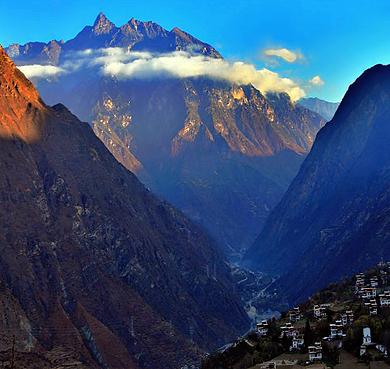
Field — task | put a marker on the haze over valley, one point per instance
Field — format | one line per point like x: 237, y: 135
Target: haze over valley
x: 164, y: 198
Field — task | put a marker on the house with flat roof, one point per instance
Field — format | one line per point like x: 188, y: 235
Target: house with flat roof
x: 384, y: 299
x: 297, y: 342
x: 262, y: 328
x: 315, y: 352
x: 368, y: 292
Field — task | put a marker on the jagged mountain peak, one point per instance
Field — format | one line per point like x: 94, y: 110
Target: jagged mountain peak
x: 101, y: 19
x: 103, y: 25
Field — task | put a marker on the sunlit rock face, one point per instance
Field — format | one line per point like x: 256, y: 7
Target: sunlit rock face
x: 95, y: 271
x: 20, y: 102
x: 222, y: 153
x: 334, y: 218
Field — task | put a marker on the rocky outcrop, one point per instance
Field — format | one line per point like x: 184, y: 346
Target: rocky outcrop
x: 99, y: 271
x: 334, y: 218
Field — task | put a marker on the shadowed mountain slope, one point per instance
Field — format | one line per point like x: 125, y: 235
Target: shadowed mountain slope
x: 98, y: 270
x: 334, y: 218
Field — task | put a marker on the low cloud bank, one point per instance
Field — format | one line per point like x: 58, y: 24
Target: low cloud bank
x: 40, y: 71
x: 126, y: 65
x: 183, y: 64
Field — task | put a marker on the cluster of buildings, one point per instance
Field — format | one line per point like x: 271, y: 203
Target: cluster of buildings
x: 337, y: 328
x: 366, y: 287
x: 290, y: 331
x: 368, y: 291
x: 343, y: 320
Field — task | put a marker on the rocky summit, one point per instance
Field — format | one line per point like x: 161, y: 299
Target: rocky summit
x: 133, y: 35
x: 334, y: 218
x: 222, y: 153
x: 95, y: 271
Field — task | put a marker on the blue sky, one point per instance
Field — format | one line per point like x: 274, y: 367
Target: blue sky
x: 338, y: 39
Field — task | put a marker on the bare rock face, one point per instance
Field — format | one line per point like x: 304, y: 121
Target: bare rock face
x: 334, y: 218
x: 221, y: 153
x: 94, y: 269
x: 20, y: 102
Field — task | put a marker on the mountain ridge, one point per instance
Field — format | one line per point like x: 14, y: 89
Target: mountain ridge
x: 324, y: 108
x: 336, y: 208
x: 133, y: 35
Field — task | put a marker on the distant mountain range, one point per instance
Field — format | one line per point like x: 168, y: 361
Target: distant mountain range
x: 95, y: 271
x: 223, y: 153
x: 324, y: 108
x: 334, y: 218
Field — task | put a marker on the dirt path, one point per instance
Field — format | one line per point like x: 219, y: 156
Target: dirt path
x: 347, y: 361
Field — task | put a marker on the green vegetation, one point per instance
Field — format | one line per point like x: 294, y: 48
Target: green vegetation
x: 335, y: 301
x: 246, y: 353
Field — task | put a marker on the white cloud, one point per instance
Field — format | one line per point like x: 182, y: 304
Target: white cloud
x: 316, y: 81
x: 40, y: 71
x: 123, y: 65
x: 287, y: 55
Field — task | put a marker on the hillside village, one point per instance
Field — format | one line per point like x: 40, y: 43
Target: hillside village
x: 345, y: 325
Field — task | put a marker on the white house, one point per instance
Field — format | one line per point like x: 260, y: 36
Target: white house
x: 288, y: 330
x: 297, y: 342
x: 373, y: 307
x: 366, y: 336
x: 333, y: 331
x: 368, y: 292
x: 295, y: 315
x: 350, y: 316
x: 315, y: 352
x: 384, y: 299
x: 320, y: 311
x: 374, y: 281
x: 262, y: 328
